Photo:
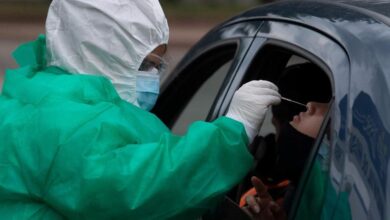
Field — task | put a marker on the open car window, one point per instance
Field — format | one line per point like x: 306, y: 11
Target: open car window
x: 302, y: 78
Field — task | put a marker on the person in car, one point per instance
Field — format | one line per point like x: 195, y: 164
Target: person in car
x: 281, y: 166
x: 77, y: 140
x: 277, y: 165
x: 303, y: 130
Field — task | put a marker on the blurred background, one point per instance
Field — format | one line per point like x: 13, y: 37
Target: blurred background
x: 189, y: 20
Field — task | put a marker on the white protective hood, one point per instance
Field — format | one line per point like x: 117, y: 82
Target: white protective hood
x: 104, y: 37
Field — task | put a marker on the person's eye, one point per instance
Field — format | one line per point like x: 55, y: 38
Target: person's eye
x: 147, y: 65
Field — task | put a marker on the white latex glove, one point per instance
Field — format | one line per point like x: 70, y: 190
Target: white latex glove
x: 250, y: 103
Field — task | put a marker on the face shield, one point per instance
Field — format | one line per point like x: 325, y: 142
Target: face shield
x: 109, y: 38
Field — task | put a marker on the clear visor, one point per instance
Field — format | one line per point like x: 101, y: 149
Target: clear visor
x: 154, y: 61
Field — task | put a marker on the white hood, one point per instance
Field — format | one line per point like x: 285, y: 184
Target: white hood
x: 104, y: 37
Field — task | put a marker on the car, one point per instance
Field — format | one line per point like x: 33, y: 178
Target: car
x: 350, y: 42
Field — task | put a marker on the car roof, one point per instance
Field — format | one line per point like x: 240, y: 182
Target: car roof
x: 332, y: 18
x: 360, y: 28
x: 346, y: 10
x: 379, y: 7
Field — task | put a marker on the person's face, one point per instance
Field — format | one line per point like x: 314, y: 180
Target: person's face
x: 309, y: 122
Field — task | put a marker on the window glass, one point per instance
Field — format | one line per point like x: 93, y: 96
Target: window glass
x: 316, y: 185
x: 319, y: 198
x: 200, y: 104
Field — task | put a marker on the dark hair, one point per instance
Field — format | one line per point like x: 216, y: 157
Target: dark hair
x: 303, y: 83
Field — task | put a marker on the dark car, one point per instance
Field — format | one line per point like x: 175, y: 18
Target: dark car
x: 350, y: 42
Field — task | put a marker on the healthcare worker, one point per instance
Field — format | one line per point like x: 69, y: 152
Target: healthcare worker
x: 76, y: 141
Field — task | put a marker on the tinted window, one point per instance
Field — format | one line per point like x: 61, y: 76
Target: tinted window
x: 193, y: 89
x: 315, y: 185
x: 317, y: 196
x: 199, y: 105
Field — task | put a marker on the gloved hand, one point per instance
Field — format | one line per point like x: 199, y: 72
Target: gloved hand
x: 250, y: 103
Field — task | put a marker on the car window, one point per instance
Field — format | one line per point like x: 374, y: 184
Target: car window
x: 196, y: 86
x: 276, y: 63
x: 199, y: 105
x: 191, y: 90
x: 316, y: 196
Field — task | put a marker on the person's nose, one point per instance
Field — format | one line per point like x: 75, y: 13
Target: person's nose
x: 310, y: 108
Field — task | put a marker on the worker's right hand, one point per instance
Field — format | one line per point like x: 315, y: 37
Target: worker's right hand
x: 250, y: 103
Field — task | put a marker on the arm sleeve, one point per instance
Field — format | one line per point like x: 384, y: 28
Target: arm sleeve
x: 178, y: 177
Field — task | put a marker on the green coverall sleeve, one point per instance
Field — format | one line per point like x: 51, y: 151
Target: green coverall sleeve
x: 171, y: 178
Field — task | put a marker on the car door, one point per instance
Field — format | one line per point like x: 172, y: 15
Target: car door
x: 277, y: 46
x: 204, y: 82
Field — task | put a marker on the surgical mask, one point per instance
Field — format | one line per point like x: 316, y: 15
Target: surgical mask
x: 147, y: 88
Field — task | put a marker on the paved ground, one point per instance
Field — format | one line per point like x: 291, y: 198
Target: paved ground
x: 182, y: 36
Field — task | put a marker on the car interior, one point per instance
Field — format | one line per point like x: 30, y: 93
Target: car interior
x: 298, y: 79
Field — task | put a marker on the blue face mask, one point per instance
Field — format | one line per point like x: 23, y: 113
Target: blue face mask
x: 147, y: 89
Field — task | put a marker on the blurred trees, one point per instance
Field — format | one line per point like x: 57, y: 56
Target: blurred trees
x: 246, y: 2
x: 207, y: 9
x: 219, y: 1
x: 25, y: 1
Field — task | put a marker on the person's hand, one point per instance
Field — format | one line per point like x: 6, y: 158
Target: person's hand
x: 250, y: 104
x: 262, y: 206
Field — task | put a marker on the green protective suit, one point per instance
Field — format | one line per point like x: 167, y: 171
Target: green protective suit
x: 72, y: 149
